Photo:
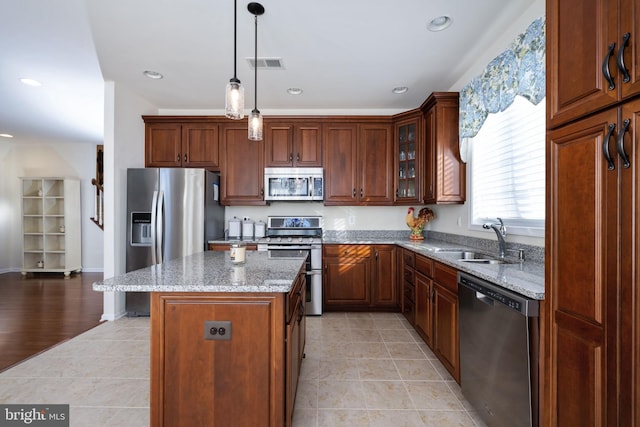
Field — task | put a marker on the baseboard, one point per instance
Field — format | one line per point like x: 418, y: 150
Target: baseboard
x: 18, y: 270
x: 10, y: 270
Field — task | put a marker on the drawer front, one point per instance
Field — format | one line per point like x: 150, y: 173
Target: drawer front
x: 409, y: 291
x: 358, y: 251
x: 424, y: 265
x: 446, y: 276
x: 408, y: 274
x: 409, y: 257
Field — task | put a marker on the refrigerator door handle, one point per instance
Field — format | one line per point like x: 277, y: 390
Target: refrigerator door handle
x: 154, y: 237
x: 160, y: 225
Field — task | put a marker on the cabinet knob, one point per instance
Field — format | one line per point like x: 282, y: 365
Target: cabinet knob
x: 290, y: 156
x: 178, y: 157
x: 354, y: 192
x: 185, y: 158
x: 298, y: 157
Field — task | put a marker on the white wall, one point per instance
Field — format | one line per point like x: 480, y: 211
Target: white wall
x: 123, y: 149
x: 46, y: 158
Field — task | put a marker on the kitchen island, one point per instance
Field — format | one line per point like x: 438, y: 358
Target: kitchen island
x: 226, y: 340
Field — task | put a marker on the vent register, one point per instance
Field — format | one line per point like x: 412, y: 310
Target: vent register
x: 266, y: 63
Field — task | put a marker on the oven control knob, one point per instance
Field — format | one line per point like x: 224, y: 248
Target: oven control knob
x: 268, y: 239
x: 300, y: 239
x: 279, y: 239
x: 289, y: 239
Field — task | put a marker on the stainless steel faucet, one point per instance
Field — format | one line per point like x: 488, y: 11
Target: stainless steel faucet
x: 501, y: 232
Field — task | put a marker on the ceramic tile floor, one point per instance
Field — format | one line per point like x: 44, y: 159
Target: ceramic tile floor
x: 361, y: 369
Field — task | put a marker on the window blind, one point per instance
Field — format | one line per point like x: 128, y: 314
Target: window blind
x: 508, y: 167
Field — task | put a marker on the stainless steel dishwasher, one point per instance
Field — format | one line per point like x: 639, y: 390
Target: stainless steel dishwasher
x: 499, y: 343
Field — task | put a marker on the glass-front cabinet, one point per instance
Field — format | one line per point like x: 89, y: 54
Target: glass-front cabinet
x: 408, y: 150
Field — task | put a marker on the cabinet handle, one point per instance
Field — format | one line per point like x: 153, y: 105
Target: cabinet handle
x: 298, y: 157
x: 290, y: 157
x: 621, y: 152
x: 605, y: 66
x: 376, y: 255
x: 354, y: 192
x: 185, y: 158
x: 397, y: 193
x: 621, y: 66
x: 178, y: 157
x: 361, y: 193
x: 605, y: 147
x: 262, y: 191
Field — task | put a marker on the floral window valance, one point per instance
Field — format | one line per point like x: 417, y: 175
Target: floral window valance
x: 519, y: 70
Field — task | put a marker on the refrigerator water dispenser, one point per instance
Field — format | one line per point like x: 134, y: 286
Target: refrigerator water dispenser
x: 140, y: 228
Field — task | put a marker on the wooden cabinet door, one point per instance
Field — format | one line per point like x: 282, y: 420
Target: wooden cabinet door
x: 293, y: 145
x: 445, y: 329
x: 347, y: 277
x: 445, y: 174
x: 200, y: 146
x: 163, y: 145
x: 385, y: 289
x: 375, y: 162
x: 581, y: 273
x: 242, y: 167
x: 340, y: 163
x: 423, y: 307
x: 307, y: 144
x: 408, y: 150
x: 189, y: 374
x: 630, y: 23
x: 577, y: 47
x: 279, y: 144
x: 294, y: 350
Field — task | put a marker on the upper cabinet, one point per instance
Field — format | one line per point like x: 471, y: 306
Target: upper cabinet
x: 242, y: 171
x: 181, y: 144
x: 293, y: 144
x: 444, y: 172
x: 592, y: 56
x: 408, y: 149
x: 358, y: 161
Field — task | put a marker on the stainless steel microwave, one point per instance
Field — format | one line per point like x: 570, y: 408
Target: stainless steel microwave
x: 294, y: 184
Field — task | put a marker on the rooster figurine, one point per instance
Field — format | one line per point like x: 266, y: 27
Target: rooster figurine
x: 416, y: 224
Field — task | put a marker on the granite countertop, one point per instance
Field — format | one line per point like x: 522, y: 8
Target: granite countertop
x: 525, y: 278
x: 210, y: 271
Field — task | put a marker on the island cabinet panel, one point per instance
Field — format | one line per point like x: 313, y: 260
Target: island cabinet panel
x: 242, y: 176
x: 295, y: 342
x: 293, y: 144
x: 236, y: 382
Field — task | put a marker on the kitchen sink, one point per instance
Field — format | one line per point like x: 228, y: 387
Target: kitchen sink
x: 473, y: 257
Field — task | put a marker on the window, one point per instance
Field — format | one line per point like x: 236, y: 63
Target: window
x: 508, y: 169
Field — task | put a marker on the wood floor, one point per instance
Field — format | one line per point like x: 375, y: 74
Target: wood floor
x: 40, y: 310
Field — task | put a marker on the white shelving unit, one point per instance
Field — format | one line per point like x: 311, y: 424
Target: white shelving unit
x: 51, y: 230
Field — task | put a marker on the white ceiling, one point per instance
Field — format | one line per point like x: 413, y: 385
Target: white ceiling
x: 344, y: 55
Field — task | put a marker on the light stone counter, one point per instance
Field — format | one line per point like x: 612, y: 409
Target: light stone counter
x: 526, y: 278
x: 210, y: 271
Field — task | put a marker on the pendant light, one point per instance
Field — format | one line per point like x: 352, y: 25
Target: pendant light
x: 234, y: 96
x: 255, y: 118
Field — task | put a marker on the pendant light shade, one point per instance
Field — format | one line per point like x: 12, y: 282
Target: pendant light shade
x: 234, y: 94
x: 255, y: 118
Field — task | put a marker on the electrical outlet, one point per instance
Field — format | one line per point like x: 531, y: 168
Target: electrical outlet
x: 219, y: 330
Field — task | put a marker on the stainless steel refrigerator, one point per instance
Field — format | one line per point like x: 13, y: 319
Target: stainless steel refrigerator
x: 171, y: 213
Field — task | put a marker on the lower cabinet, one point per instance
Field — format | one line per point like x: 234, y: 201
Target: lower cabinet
x: 295, y: 341
x: 423, y: 310
x: 226, y: 246
x: 360, y: 277
x: 445, y: 330
x: 246, y: 376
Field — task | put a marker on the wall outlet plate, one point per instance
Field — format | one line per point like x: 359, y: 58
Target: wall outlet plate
x: 218, y: 330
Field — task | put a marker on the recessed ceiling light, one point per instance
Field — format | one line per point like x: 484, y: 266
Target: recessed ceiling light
x: 31, y: 82
x: 400, y: 89
x: 152, y: 74
x: 294, y: 91
x: 6, y: 135
x: 439, y: 23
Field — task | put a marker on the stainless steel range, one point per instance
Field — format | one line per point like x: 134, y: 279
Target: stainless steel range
x: 298, y: 237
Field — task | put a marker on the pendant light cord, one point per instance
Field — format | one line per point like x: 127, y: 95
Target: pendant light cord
x: 255, y: 65
x: 235, y: 36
